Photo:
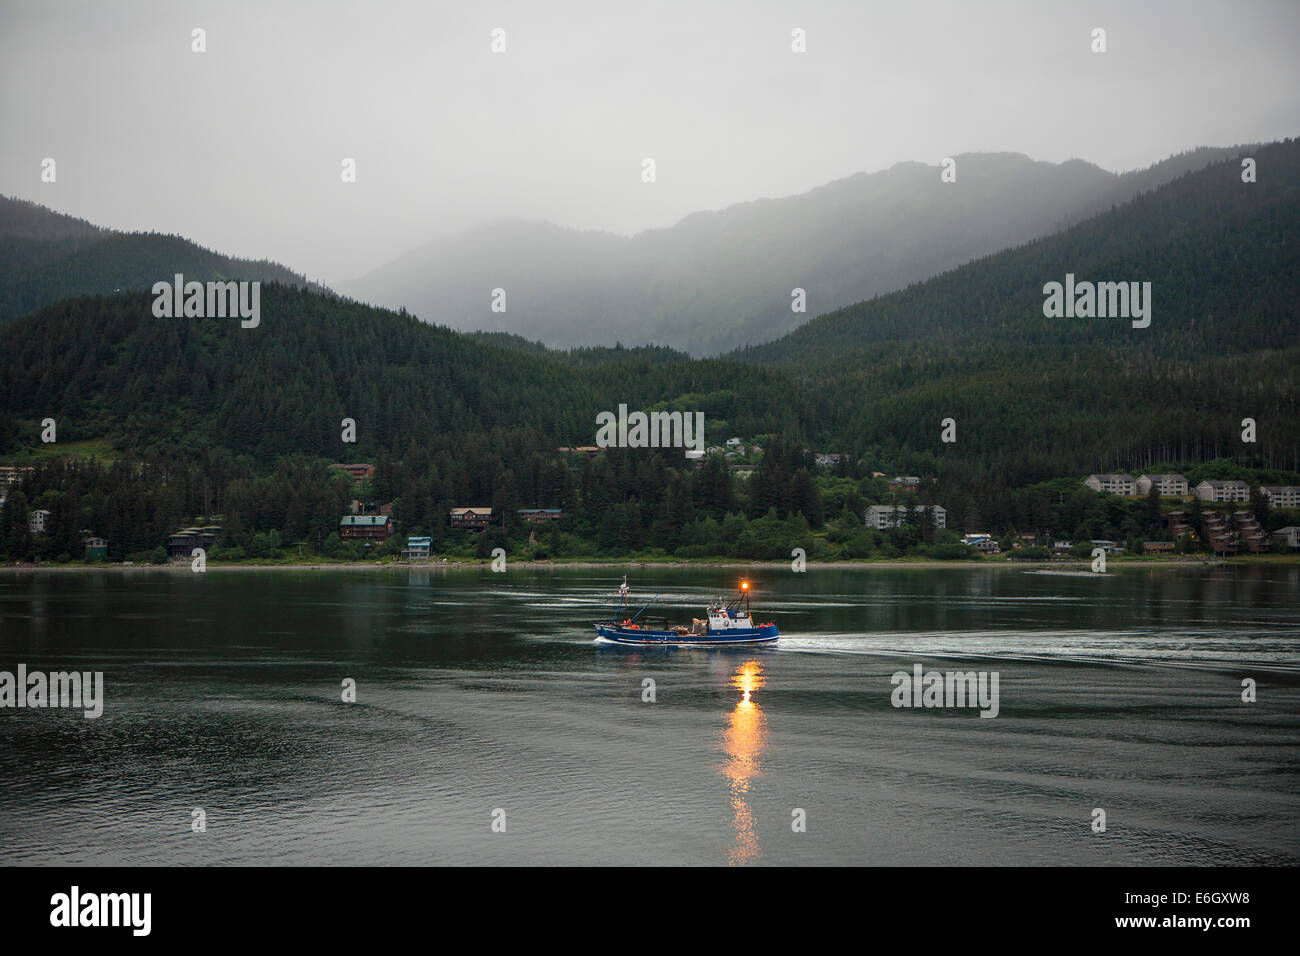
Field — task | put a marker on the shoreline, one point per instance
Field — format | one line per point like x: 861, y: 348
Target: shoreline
x: 469, y: 563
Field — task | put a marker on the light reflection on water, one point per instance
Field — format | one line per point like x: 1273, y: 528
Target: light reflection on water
x: 742, y: 742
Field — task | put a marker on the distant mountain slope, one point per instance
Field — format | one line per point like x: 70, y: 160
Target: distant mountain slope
x: 46, y: 256
x: 718, y: 280
x: 1223, y: 258
x: 20, y: 219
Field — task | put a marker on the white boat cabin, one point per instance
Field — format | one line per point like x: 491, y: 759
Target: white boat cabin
x: 721, y: 619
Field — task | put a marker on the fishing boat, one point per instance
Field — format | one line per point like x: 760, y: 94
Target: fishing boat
x: 722, y: 625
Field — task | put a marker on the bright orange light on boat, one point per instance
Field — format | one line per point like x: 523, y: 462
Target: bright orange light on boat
x: 744, y: 585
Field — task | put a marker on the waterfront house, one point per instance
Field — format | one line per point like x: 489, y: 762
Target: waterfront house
x: 183, y: 542
x: 1287, y: 539
x: 538, y: 515
x: 1220, y: 538
x: 365, y: 527
x: 1158, y: 547
x: 418, y: 549
x: 1180, y: 523
x: 471, y: 519
x: 981, y: 541
x: 1250, y: 533
x: 96, y: 549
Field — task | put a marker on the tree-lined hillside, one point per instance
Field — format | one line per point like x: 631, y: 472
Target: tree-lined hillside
x: 1222, y: 256
x: 107, y: 367
x: 46, y: 256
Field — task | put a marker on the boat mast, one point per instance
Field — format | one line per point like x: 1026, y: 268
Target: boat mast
x: 622, y: 601
x: 742, y: 597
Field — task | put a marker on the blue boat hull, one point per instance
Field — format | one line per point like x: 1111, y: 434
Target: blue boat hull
x: 649, y: 636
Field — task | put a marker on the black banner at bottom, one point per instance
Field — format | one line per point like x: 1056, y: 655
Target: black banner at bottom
x: 340, y: 905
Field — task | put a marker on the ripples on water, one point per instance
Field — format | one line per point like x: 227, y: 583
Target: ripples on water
x: 479, y: 692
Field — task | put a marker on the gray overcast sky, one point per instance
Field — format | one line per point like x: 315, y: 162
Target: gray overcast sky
x: 239, y: 148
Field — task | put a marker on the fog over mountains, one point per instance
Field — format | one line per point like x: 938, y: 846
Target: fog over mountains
x: 714, y: 282
x: 721, y: 280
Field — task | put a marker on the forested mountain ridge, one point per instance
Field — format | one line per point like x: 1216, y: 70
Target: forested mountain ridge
x: 105, y: 366
x: 20, y: 219
x: 46, y: 256
x: 718, y: 280
x: 1222, y: 255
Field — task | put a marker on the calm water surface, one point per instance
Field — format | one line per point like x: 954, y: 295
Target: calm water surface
x: 479, y: 692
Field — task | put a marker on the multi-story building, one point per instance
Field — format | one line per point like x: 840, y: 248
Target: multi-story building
x: 365, y: 527
x: 1218, y: 536
x: 1115, y: 484
x: 1233, y: 490
x: 1281, y: 496
x: 36, y: 520
x: 183, y: 542
x: 882, y: 517
x: 1180, y: 523
x: 1250, y: 534
x: 1168, y: 485
x: 1287, y: 539
x: 471, y: 519
x: 12, y: 474
x: 418, y: 549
